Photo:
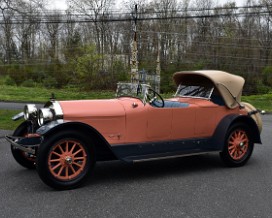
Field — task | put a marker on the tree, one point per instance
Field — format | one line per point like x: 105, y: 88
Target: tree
x: 7, y: 11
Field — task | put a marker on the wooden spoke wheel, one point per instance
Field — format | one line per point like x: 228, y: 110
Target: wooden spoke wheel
x: 238, y: 143
x: 65, y: 159
x: 238, y: 146
x: 23, y: 158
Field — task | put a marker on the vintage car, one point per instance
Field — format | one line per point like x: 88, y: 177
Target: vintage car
x: 64, y: 139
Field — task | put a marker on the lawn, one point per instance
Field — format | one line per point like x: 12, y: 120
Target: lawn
x: 5, y: 119
x: 41, y: 95
x: 262, y: 102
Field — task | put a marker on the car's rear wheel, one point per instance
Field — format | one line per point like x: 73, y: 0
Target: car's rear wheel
x: 23, y: 158
x: 238, y: 146
x: 65, y: 160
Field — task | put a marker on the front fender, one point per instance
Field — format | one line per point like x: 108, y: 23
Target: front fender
x: 221, y: 130
x: 103, y: 148
x: 61, y: 124
x: 49, y: 127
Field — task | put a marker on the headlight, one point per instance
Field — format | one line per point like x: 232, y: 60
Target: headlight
x: 30, y: 112
x: 45, y: 115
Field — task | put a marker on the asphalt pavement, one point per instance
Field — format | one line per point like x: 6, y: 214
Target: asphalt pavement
x: 195, y: 187
x: 15, y: 106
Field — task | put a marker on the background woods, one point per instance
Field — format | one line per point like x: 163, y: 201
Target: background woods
x: 89, y: 44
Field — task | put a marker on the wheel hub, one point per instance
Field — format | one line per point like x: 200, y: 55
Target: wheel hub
x: 68, y: 160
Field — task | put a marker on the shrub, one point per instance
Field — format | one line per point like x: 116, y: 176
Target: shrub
x: 28, y: 83
x: 50, y: 82
x: 9, y: 81
x: 267, y: 76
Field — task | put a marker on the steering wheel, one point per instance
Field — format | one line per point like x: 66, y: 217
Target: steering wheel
x: 154, y: 98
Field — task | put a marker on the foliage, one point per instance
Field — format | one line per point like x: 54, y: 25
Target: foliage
x: 267, y: 76
x: 50, y: 82
x: 8, y: 81
x: 38, y: 48
x: 121, y: 71
x: 28, y: 83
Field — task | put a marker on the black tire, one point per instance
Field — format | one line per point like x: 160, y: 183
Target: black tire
x: 21, y: 157
x: 238, y: 146
x: 63, y: 167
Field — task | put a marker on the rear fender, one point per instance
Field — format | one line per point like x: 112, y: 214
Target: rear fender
x: 221, y: 130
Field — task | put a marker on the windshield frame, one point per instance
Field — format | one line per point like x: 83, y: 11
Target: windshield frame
x: 133, y: 90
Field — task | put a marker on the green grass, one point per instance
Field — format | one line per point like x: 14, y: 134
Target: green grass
x: 262, y: 102
x: 5, y: 119
x: 41, y: 95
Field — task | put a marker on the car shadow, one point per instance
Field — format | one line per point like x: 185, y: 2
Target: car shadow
x: 120, y: 171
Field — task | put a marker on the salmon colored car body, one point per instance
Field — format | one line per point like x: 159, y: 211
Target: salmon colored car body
x: 64, y: 139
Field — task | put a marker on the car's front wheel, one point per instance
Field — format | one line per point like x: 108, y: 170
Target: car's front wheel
x: 65, y: 160
x: 238, y: 146
x: 23, y: 158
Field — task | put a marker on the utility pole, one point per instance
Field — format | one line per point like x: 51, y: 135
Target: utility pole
x: 134, y: 59
x: 158, y: 68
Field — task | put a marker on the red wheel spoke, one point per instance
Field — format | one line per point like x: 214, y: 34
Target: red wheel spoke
x: 231, y: 153
x: 67, y: 172
x: 72, y: 168
x: 62, y: 151
x: 54, y: 160
x: 72, y: 149
x: 60, y: 171
x: 74, y: 154
x: 77, y: 164
x: 67, y: 147
x: 55, y: 167
x: 79, y: 158
x: 53, y: 152
x: 243, y: 149
x: 231, y: 147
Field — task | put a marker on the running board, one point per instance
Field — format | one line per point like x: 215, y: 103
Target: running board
x: 152, y: 157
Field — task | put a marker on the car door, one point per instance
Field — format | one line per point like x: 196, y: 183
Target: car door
x: 159, y: 123
x: 183, y: 124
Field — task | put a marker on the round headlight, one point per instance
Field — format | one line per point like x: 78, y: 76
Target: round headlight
x: 30, y: 111
x: 45, y: 115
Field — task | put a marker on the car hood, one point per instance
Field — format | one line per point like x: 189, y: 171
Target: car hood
x: 91, y: 108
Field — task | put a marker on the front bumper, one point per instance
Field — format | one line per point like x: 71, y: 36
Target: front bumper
x: 26, y: 144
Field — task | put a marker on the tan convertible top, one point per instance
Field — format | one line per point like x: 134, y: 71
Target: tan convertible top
x: 228, y: 85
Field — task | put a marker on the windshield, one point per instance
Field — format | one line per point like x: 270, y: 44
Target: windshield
x: 195, y: 91
x: 132, y: 90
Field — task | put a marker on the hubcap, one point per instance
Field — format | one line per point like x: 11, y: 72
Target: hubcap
x: 69, y: 160
x: 241, y: 144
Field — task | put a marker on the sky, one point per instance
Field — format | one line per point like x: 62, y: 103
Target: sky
x: 61, y: 4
